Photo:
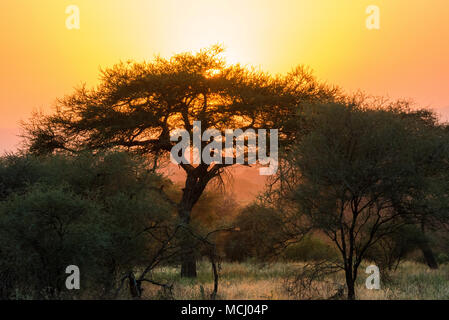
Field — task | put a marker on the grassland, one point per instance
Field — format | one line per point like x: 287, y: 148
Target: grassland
x: 255, y: 281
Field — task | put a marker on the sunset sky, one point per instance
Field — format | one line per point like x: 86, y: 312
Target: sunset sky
x: 40, y: 59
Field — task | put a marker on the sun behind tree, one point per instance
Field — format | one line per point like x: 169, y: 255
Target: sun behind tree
x: 137, y: 105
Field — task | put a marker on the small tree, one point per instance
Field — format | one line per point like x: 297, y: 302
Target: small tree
x: 352, y: 167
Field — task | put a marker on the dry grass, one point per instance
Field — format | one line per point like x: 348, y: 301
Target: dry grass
x: 254, y: 281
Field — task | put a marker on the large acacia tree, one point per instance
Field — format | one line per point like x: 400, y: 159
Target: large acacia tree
x: 137, y: 105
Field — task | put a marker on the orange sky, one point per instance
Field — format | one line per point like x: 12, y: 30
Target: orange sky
x: 40, y: 59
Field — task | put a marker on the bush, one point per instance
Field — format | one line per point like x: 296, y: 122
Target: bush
x: 389, y: 251
x: 41, y: 234
x: 89, y: 210
x: 310, y: 249
x: 259, y: 233
x: 443, y: 258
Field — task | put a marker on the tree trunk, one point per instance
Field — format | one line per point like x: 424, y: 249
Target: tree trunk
x: 351, y: 287
x: 135, y: 287
x: 188, y: 265
x: 429, y: 257
x: 351, y: 292
x: 426, y: 250
x: 213, y: 295
x: 188, y: 259
x: 196, y: 182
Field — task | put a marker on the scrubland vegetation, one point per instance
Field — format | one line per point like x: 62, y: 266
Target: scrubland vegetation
x: 360, y: 181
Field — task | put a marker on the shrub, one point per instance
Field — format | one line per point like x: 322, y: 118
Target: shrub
x: 87, y: 210
x: 257, y: 236
x: 310, y: 249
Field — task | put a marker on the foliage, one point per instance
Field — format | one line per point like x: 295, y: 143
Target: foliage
x: 257, y: 234
x: 359, y: 174
x: 87, y: 210
x: 310, y: 248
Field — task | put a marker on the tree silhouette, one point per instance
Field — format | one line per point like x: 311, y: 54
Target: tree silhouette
x: 137, y: 105
x: 359, y: 175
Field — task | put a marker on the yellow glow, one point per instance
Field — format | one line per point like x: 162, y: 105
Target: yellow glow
x: 42, y: 60
x: 212, y: 73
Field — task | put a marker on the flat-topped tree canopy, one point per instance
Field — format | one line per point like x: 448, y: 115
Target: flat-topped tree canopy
x: 137, y: 105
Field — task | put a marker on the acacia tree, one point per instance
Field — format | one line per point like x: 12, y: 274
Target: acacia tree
x: 137, y: 105
x: 358, y: 175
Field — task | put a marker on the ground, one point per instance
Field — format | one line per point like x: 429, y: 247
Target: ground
x: 254, y: 281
